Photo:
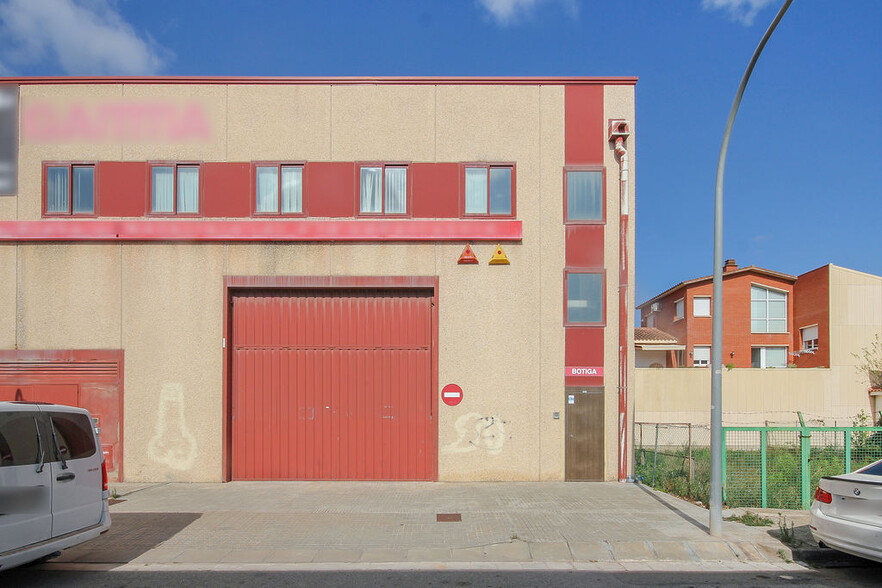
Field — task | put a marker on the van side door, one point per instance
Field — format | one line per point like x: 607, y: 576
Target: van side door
x: 76, y: 472
x: 25, y: 480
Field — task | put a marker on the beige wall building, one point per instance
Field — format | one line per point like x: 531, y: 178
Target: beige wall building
x: 325, y: 279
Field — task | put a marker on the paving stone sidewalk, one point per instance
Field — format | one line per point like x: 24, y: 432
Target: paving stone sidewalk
x: 368, y: 523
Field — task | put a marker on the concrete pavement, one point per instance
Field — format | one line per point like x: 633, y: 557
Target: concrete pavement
x: 328, y: 525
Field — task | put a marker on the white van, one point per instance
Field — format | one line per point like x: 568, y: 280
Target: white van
x: 53, y: 481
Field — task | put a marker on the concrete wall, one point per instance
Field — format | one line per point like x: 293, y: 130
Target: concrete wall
x: 750, y: 396
x: 501, y: 334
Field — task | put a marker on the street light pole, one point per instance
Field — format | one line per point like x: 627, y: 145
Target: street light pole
x: 716, y: 471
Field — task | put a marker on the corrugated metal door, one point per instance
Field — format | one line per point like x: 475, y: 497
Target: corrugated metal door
x: 332, y: 384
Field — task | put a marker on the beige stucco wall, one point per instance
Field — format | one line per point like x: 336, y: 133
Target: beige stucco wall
x: 501, y: 333
x: 750, y: 396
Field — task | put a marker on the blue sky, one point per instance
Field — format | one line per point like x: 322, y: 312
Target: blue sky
x: 804, y: 169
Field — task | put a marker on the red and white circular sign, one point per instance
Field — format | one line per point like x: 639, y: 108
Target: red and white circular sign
x: 451, y: 394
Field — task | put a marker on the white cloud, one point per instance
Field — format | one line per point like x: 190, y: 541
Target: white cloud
x: 506, y: 12
x: 84, y: 37
x: 743, y: 11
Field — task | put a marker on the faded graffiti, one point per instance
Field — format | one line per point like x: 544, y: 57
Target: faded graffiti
x: 476, y: 431
x: 172, y: 443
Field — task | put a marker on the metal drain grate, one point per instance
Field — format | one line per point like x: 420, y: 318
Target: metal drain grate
x: 448, y: 517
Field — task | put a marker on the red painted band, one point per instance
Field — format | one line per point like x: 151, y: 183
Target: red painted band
x: 263, y: 230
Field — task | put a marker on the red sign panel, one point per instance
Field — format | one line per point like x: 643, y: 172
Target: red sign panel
x: 584, y: 371
x: 451, y: 394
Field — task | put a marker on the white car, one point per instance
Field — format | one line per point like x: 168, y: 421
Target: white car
x: 847, y: 512
x: 53, y: 481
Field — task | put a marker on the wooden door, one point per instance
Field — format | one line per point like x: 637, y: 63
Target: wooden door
x: 584, y: 431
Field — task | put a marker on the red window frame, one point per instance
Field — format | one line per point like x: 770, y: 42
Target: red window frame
x: 175, y: 165
x: 577, y: 168
x: 596, y: 271
x: 408, y: 211
x: 70, y: 187
x: 488, y: 166
x: 278, y: 165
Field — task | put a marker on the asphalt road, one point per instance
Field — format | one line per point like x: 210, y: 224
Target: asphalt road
x: 839, y: 578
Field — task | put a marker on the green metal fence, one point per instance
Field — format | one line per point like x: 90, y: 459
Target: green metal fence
x: 765, y: 467
x: 779, y: 467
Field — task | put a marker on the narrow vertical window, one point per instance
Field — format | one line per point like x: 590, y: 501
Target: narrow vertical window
x: 163, y: 192
x: 584, y: 298
x: 584, y: 195
x: 188, y: 190
x: 57, y: 190
x: 292, y: 189
x: 267, y: 189
x: 83, y: 189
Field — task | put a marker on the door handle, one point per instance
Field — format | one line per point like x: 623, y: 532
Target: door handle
x: 66, y: 476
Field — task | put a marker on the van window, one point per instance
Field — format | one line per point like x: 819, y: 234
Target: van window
x: 19, y: 444
x: 74, y: 434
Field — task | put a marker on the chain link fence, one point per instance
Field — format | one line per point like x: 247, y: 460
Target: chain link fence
x: 765, y: 467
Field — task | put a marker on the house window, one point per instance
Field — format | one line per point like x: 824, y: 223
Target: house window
x: 809, y: 338
x: 383, y: 190
x: 584, y: 298
x: 488, y: 190
x: 768, y: 310
x: 650, y: 321
x: 701, y: 306
x: 278, y: 189
x: 678, y: 309
x: 768, y: 357
x: 174, y: 189
x: 584, y: 195
x: 70, y: 189
x: 701, y: 356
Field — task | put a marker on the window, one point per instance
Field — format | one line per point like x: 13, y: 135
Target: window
x: 701, y: 356
x: 383, y: 189
x: 678, y: 310
x: 584, y: 195
x: 701, y: 306
x: 278, y: 189
x: 70, y: 189
x: 489, y: 190
x: 650, y: 321
x: 809, y: 338
x: 768, y: 310
x: 174, y: 189
x: 73, y: 435
x: 19, y: 439
x: 768, y: 357
x: 584, y: 297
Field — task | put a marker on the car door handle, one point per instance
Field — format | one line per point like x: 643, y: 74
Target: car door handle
x: 66, y: 476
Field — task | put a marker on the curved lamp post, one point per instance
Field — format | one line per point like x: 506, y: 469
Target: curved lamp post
x: 716, y: 472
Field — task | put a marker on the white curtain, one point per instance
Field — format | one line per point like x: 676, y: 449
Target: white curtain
x: 267, y: 189
x: 83, y: 190
x: 57, y: 192
x: 476, y: 190
x: 292, y: 189
x: 188, y: 189
x: 163, y: 194
x: 396, y: 190
x: 584, y: 195
x: 371, y: 187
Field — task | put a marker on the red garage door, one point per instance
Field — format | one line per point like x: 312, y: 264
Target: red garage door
x: 332, y: 384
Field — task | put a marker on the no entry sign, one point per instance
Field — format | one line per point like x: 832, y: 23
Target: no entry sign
x: 451, y: 394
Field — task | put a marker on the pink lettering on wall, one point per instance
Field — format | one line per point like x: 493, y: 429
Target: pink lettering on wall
x: 120, y: 120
